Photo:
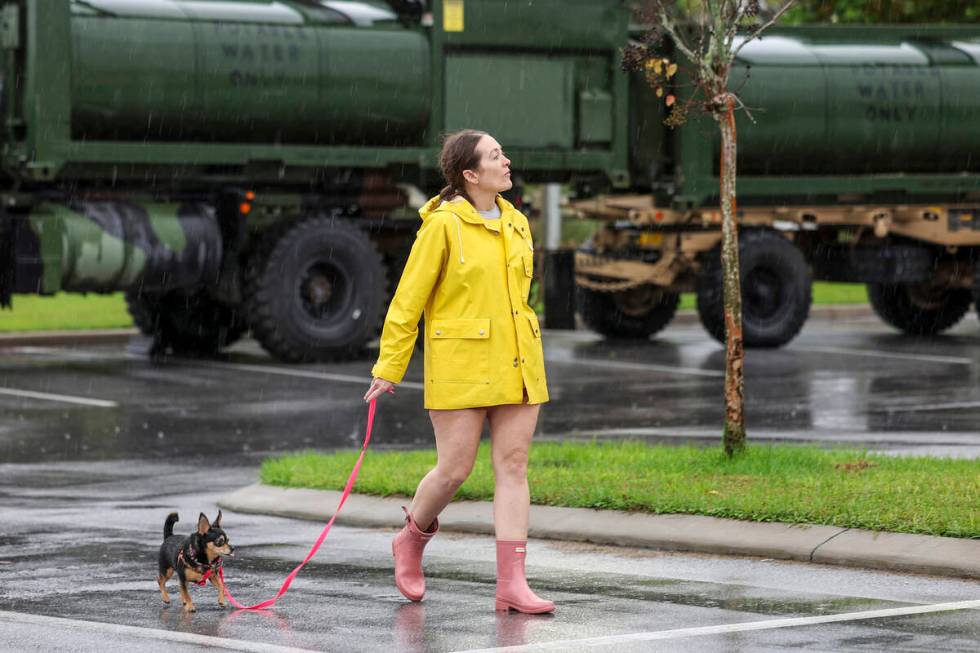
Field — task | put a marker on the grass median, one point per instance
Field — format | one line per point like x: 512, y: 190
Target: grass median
x: 66, y: 312
x: 837, y: 487
x: 823, y: 294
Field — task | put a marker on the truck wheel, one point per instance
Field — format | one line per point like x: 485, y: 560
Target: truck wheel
x: 636, y: 313
x: 185, y: 324
x: 316, y: 292
x: 919, y: 308
x: 775, y: 283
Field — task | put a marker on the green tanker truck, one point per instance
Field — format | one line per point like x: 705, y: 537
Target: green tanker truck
x: 234, y: 165
x: 237, y: 165
x: 860, y: 163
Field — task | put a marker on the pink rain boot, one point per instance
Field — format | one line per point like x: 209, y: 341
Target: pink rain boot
x: 512, y: 590
x: 407, y: 548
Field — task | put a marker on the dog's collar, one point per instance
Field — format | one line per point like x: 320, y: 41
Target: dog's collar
x: 189, y: 559
x: 204, y: 568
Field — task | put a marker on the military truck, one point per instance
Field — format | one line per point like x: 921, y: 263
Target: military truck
x: 860, y: 162
x: 238, y: 165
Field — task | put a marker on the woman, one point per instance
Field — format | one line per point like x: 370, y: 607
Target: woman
x: 470, y: 272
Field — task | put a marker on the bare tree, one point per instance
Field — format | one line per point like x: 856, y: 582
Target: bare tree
x: 709, y: 34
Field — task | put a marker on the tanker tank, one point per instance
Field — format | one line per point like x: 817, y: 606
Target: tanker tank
x: 833, y: 105
x: 246, y: 72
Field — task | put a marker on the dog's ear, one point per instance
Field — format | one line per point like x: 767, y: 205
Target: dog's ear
x: 203, y: 525
x: 217, y: 520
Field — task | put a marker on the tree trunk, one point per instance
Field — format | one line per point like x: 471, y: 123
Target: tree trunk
x: 734, y: 434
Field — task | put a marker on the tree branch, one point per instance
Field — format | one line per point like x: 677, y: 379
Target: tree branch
x: 668, y: 24
x: 738, y: 12
x: 772, y: 21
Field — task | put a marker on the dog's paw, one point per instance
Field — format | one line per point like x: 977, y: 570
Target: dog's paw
x: 189, y: 607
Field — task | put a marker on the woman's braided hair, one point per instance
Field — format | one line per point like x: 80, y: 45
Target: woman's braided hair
x: 458, y: 154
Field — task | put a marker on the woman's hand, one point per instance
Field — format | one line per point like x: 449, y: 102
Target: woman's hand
x: 378, y: 388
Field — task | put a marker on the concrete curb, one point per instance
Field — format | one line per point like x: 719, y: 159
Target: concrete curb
x: 66, y: 338
x: 830, y: 313
x: 943, y: 556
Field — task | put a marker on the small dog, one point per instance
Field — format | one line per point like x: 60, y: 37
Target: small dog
x: 193, y: 557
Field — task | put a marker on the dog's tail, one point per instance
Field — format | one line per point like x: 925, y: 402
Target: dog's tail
x: 168, y: 526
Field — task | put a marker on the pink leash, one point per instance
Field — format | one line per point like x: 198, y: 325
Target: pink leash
x: 326, y: 529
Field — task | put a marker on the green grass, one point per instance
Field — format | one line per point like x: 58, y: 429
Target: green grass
x: 64, y: 312
x: 824, y: 294
x: 846, y: 488
x: 839, y: 293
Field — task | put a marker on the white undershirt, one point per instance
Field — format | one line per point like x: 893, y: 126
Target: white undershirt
x: 492, y: 214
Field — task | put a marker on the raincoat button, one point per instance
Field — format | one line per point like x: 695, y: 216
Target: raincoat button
x: 515, y: 312
x: 482, y: 332
x: 438, y: 333
x: 515, y: 362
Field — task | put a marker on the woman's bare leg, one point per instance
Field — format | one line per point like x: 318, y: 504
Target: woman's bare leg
x: 457, y: 439
x: 511, y: 429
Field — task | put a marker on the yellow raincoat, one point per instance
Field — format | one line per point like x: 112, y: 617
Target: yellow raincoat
x: 471, y: 277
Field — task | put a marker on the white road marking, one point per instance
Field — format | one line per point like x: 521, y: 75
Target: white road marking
x: 949, y: 360
x: 60, y: 352
x: 68, y: 399
x: 923, y: 438
x: 149, y: 633
x: 769, y: 624
x: 305, y: 374
x: 619, y: 365
x: 952, y: 405
x: 262, y: 369
x: 348, y: 378
x: 567, y: 360
x: 924, y: 407
x: 635, y: 367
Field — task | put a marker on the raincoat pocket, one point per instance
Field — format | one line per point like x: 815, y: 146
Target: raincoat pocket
x: 535, y: 327
x: 460, y: 350
x: 527, y: 264
x: 527, y: 258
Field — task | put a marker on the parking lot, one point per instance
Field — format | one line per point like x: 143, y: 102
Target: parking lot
x: 99, y: 444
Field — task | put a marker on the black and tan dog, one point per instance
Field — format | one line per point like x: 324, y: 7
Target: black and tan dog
x: 192, y: 557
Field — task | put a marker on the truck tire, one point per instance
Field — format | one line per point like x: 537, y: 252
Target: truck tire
x: 185, y: 324
x: 775, y: 282
x: 316, y: 291
x: 919, y: 309
x: 636, y: 313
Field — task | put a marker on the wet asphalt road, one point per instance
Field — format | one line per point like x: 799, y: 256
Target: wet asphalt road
x: 112, y: 442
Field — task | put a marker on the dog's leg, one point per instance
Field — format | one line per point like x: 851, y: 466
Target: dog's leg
x: 162, y: 581
x: 217, y: 582
x: 186, y: 596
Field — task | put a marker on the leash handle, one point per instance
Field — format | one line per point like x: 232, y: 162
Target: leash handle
x: 316, y: 545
